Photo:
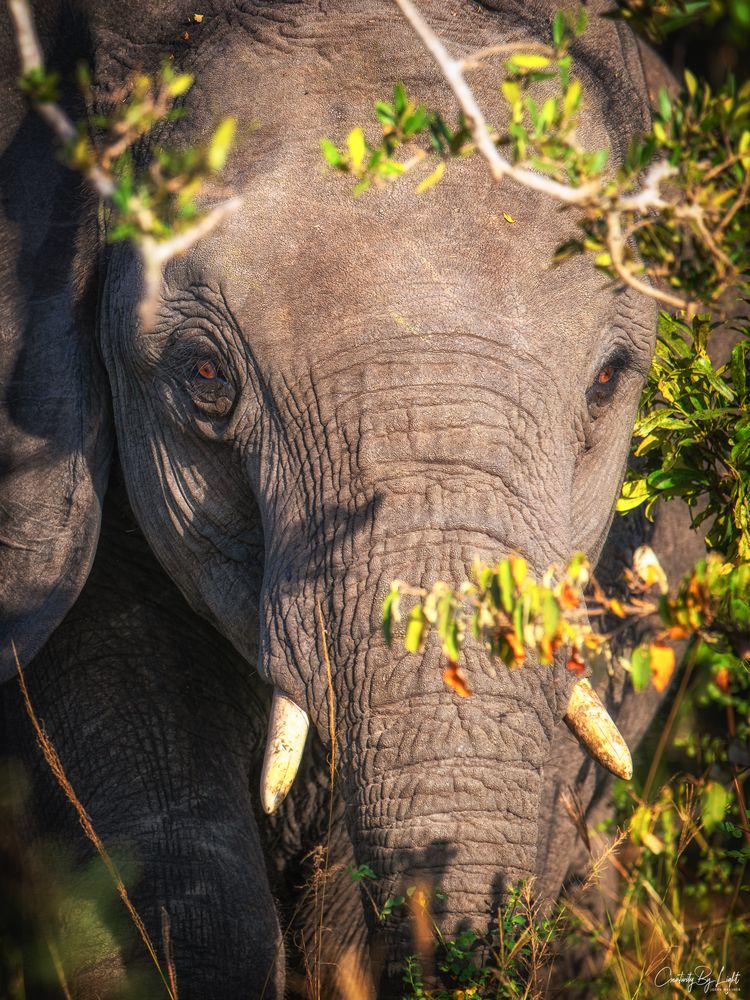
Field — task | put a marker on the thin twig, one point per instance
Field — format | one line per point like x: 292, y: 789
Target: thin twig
x: 154, y: 254
x: 616, y: 247
x: 31, y: 58
x: 690, y: 658
x: 474, y: 61
x: 499, y: 167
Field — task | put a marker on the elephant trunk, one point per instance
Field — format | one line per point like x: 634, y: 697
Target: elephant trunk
x: 442, y: 800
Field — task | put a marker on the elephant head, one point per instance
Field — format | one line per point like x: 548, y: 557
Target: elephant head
x: 338, y: 392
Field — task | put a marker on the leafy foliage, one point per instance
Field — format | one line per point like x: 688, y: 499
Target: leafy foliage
x: 156, y: 200
x: 512, y: 614
x: 692, y: 437
x: 684, y: 225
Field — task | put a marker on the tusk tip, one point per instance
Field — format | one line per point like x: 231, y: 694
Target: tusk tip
x: 592, y: 726
x: 287, y: 733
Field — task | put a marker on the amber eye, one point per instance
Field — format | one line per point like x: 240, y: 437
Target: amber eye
x: 605, y: 375
x: 207, y: 370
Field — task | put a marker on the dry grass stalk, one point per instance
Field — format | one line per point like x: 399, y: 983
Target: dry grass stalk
x: 55, y: 765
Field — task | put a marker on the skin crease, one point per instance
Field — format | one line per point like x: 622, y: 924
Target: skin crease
x: 402, y: 383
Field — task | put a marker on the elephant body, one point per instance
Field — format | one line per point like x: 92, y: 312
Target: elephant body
x: 398, y: 386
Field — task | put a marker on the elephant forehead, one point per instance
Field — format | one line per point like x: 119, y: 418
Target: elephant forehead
x: 305, y: 263
x: 327, y: 271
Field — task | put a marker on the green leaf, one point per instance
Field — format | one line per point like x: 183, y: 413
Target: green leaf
x: 330, y: 152
x: 665, y: 104
x: 558, y: 28
x: 640, y: 667
x: 416, y: 630
x: 550, y: 615
x: 714, y: 802
x: 391, y: 612
x: 400, y: 101
x: 582, y: 21
x: 505, y: 581
x: 385, y: 113
x: 738, y: 368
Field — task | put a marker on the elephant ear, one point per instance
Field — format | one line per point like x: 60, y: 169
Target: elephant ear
x: 55, y: 438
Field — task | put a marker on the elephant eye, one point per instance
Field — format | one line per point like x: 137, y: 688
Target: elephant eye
x: 207, y: 371
x: 602, y: 389
x: 213, y: 393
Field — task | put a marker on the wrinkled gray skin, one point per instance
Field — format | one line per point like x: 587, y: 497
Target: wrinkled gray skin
x: 407, y: 384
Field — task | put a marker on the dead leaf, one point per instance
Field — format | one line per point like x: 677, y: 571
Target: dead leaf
x: 455, y: 678
x: 197, y: 18
x: 569, y: 597
x: 519, y: 653
x: 662, y: 664
x: 721, y: 677
x: 575, y: 663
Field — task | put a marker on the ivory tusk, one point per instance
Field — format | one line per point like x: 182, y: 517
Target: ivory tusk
x: 287, y: 732
x: 590, y: 723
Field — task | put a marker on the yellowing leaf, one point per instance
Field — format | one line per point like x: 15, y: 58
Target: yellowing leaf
x: 722, y: 679
x: 652, y: 842
x: 662, y: 664
x: 529, y: 60
x: 416, y: 630
x: 433, y: 178
x: 648, y: 568
x: 454, y: 677
x: 516, y: 645
x: 509, y: 218
x: 568, y: 596
x: 355, y: 142
x: 197, y: 18
x: 221, y: 144
x: 616, y: 608
x: 519, y: 569
x: 511, y: 91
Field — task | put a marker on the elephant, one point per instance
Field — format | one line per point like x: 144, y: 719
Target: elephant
x: 202, y: 518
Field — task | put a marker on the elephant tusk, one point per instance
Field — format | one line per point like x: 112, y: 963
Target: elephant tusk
x: 287, y: 732
x: 591, y: 724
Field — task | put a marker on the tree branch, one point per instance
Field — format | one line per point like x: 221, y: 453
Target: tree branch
x: 154, y: 254
x: 648, y: 198
x: 616, y: 247
x: 452, y: 70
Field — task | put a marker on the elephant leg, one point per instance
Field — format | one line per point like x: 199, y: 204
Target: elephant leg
x: 156, y: 721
